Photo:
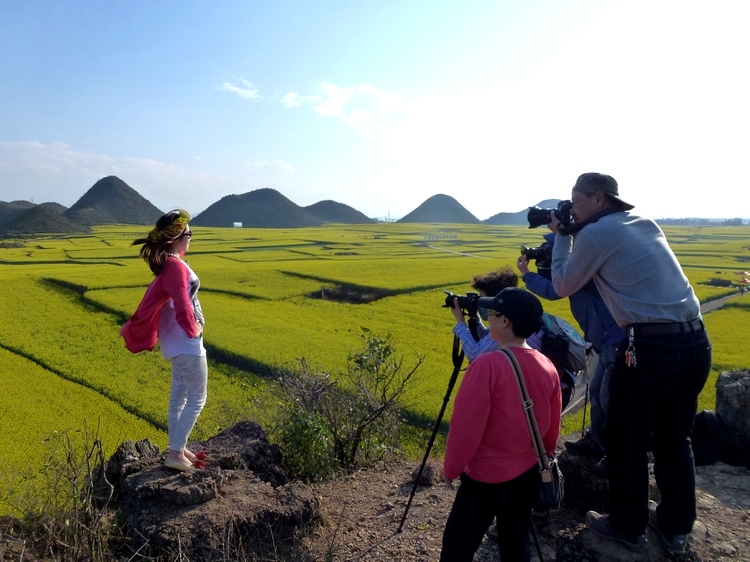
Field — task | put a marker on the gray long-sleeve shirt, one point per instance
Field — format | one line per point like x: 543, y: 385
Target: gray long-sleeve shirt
x: 635, y: 270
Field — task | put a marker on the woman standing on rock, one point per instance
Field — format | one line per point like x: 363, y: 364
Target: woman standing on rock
x: 489, y: 444
x: 171, y: 314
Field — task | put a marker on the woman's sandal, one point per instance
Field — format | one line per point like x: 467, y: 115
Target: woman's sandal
x: 177, y: 465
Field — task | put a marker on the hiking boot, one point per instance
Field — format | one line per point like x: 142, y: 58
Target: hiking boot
x: 600, y: 526
x: 586, y: 446
x: 675, y: 544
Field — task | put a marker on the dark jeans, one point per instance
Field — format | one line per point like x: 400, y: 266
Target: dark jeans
x: 655, y: 403
x: 599, y: 392
x: 477, y: 504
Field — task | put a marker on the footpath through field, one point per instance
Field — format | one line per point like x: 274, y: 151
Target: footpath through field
x: 457, y: 252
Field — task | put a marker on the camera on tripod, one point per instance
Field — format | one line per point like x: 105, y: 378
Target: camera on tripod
x: 469, y: 303
x: 539, y: 217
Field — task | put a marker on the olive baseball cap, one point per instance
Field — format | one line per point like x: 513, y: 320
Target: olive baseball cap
x: 592, y: 182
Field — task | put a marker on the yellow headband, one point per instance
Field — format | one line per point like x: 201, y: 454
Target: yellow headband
x: 172, y: 230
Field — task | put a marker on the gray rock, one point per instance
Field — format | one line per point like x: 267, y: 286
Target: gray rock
x: 431, y: 475
x: 732, y: 407
x: 586, y: 486
x: 240, y: 502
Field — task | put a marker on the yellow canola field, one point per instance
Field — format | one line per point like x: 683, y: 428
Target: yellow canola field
x: 63, y: 300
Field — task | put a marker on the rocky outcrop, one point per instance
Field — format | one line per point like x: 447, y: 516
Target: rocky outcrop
x: 240, y: 502
x: 586, y: 483
x: 732, y: 407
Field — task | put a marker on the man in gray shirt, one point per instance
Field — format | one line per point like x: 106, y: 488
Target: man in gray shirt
x: 660, y: 367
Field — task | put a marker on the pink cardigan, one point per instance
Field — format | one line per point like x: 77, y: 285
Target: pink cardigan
x: 489, y: 437
x: 141, y: 332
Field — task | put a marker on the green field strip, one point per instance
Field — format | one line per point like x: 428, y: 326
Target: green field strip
x: 55, y: 262
x: 727, y: 329
x: 100, y: 390
x: 53, y: 327
x: 380, y: 292
x: 38, y: 401
x: 259, y: 319
x: 38, y: 405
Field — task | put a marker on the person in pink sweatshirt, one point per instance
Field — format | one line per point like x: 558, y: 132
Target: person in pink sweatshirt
x: 489, y: 445
x: 171, y: 315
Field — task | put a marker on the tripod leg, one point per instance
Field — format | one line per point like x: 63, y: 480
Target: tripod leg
x: 536, y: 538
x: 585, y: 404
x: 457, y: 360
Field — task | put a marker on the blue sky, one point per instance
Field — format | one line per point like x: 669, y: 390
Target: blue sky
x: 378, y: 105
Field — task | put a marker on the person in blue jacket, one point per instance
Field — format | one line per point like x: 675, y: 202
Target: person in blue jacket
x: 600, y: 329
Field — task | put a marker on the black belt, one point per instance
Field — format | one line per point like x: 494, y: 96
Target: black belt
x: 667, y: 328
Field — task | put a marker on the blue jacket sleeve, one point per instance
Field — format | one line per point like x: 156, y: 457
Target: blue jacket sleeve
x: 540, y: 286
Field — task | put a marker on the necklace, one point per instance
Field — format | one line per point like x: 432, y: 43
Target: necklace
x: 174, y: 255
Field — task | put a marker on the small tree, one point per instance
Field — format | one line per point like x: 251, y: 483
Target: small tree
x: 354, y: 419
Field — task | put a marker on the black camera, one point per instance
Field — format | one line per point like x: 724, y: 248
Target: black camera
x: 542, y: 255
x: 540, y: 217
x: 469, y: 303
x: 543, y: 252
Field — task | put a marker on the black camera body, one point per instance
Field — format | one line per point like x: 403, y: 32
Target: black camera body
x: 542, y: 255
x: 469, y: 303
x: 540, y: 217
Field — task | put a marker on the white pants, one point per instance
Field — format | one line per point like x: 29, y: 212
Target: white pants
x: 188, y: 396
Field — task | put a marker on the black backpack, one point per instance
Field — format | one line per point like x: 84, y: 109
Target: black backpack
x: 566, y: 348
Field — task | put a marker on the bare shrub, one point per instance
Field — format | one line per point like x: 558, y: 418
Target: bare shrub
x: 345, y: 421
x: 67, y: 516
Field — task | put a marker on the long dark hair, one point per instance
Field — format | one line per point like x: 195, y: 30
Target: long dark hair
x: 157, y: 243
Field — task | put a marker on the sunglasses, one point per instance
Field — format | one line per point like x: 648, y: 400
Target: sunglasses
x: 188, y: 233
x: 485, y: 313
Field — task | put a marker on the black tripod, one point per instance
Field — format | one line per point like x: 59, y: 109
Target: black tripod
x: 458, y: 358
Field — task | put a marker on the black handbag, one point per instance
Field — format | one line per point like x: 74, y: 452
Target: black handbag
x: 551, y: 483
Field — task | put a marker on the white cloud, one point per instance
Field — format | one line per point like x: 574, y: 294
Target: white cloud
x: 59, y: 172
x: 247, y: 90
x: 370, y: 111
x: 291, y: 100
x: 276, y: 164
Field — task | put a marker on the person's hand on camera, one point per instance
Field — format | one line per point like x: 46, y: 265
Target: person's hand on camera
x: 457, y: 312
x: 522, y: 263
x: 554, y: 223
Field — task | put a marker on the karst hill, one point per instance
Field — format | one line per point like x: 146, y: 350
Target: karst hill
x: 519, y: 218
x: 331, y: 211
x: 42, y: 219
x: 262, y: 208
x: 112, y: 201
x: 442, y: 209
x: 109, y: 201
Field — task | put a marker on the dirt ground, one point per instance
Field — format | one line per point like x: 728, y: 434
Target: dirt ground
x: 362, y: 512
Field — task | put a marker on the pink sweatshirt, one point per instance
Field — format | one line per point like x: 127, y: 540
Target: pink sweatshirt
x: 142, y: 330
x: 489, y: 437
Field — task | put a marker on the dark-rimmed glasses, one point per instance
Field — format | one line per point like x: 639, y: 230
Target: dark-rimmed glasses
x: 188, y: 233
